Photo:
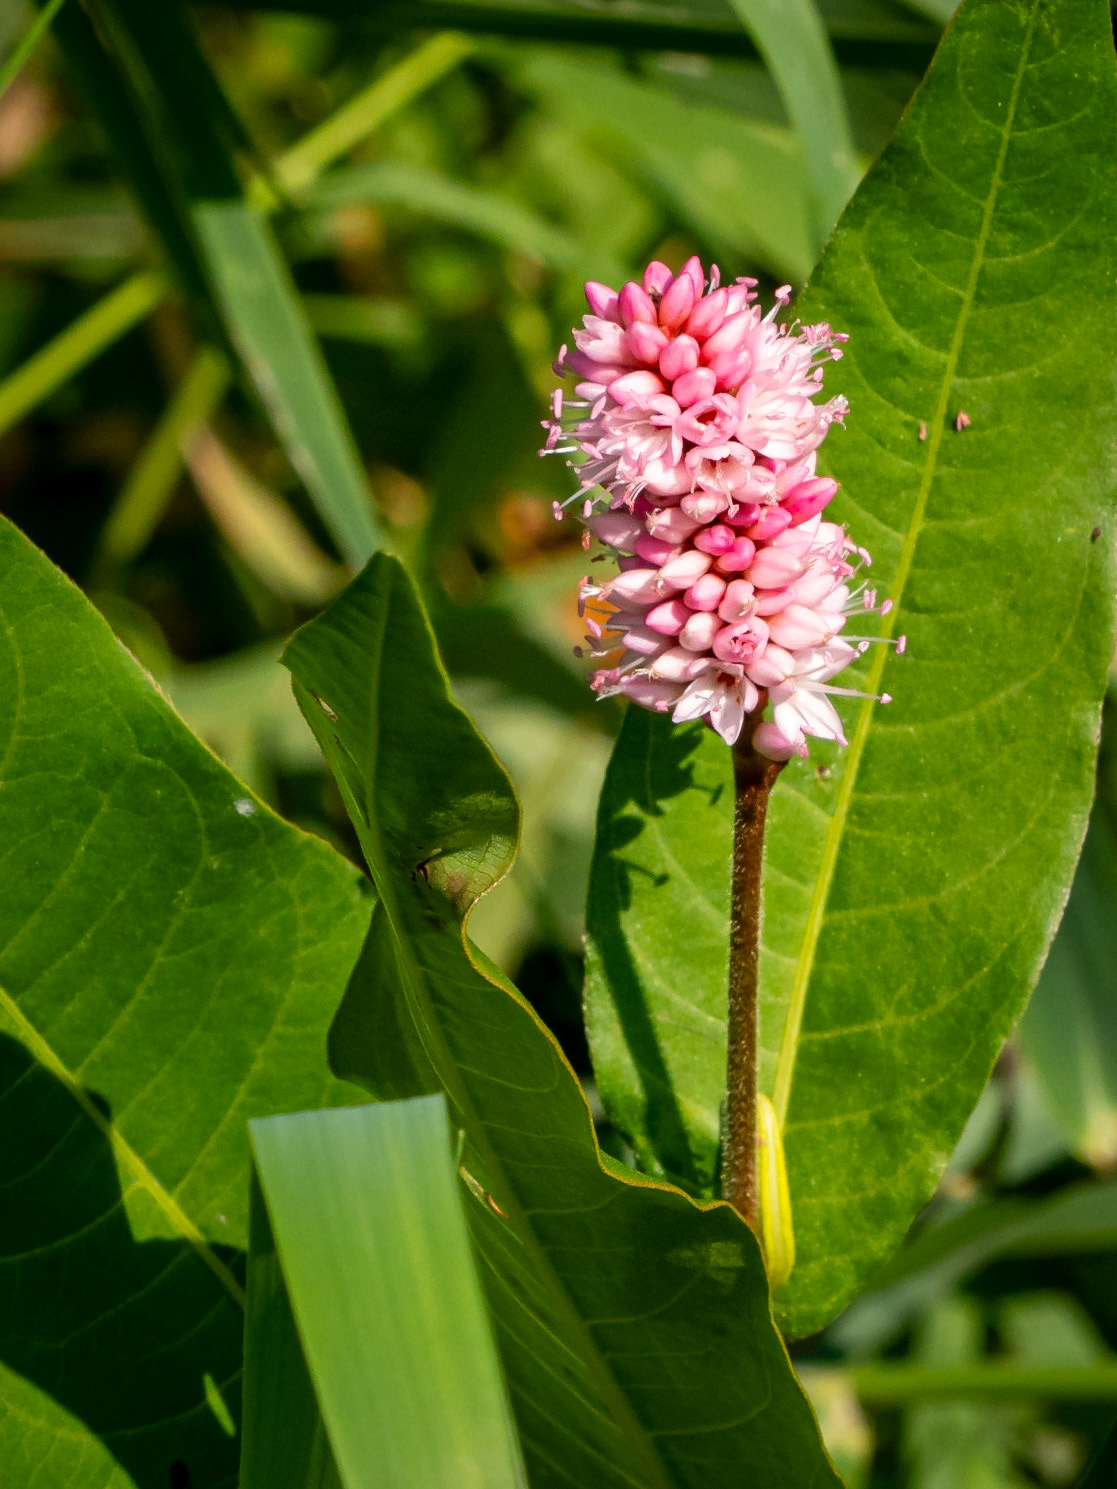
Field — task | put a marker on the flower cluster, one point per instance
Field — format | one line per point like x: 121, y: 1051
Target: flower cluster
x: 694, y: 428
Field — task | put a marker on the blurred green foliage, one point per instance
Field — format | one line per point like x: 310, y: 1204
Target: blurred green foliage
x: 421, y: 204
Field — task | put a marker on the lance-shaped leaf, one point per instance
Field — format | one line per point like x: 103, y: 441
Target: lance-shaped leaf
x: 913, y: 881
x: 170, y: 956
x: 634, y: 1325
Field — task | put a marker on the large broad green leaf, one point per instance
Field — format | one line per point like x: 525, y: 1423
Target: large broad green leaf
x: 361, y: 1280
x: 912, y: 882
x: 170, y: 956
x: 634, y: 1325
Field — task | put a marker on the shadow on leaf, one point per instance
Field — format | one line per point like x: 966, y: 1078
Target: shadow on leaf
x: 132, y: 1339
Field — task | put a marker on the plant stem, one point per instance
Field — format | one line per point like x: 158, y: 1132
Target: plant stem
x: 753, y: 776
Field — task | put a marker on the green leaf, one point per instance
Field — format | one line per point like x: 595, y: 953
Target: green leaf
x: 364, y: 1220
x: 170, y: 956
x: 913, y: 882
x: 633, y: 1324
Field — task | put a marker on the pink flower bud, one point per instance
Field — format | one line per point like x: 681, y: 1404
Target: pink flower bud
x: 635, y: 587
x: 738, y: 558
x: 669, y: 618
x: 797, y: 627
x: 694, y: 271
x: 656, y: 550
x: 771, y: 524
x: 809, y: 498
x: 583, y: 365
x: 772, y: 601
x: 657, y: 278
x: 729, y: 337
x: 772, y: 568
x: 707, y: 315
x: 645, y: 642
x: 706, y: 593
x: 683, y: 571
x: 738, y: 601
x: 699, y: 632
x: 679, y: 665
x: 694, y: 386
x: 716, y: 540
x: 635, y: 385
x: 644, y: 342
x: 651, y: 693
x: 635, y: 304
x: 771, y: 666
x: 616, y: 529
x: 767, y: 740
x: 731, y: 369
x: 601, y: 300
x: 672, y: 524
x: 677, y: 303
x: 745, y: 516
x: 663, y: 479
x: 679, y: 356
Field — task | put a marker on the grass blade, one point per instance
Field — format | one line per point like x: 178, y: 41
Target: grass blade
x: 78, y: 344
x: 794, y: 44
x: 136, y: 512
x: 35, y: 33
x: 367, y: 1221
x: 355, y: 120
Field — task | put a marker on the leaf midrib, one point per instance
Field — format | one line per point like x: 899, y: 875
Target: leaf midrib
x: 44, y: 1052
x: 789, y: 1043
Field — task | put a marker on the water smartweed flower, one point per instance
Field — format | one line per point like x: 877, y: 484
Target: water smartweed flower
x: 693, y: 430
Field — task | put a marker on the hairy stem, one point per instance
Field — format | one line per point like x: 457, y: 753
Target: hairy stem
x: 754, y: 776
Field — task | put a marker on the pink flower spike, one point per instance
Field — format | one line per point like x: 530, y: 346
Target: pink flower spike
x: 901, y: 645
x: 693, y: 436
